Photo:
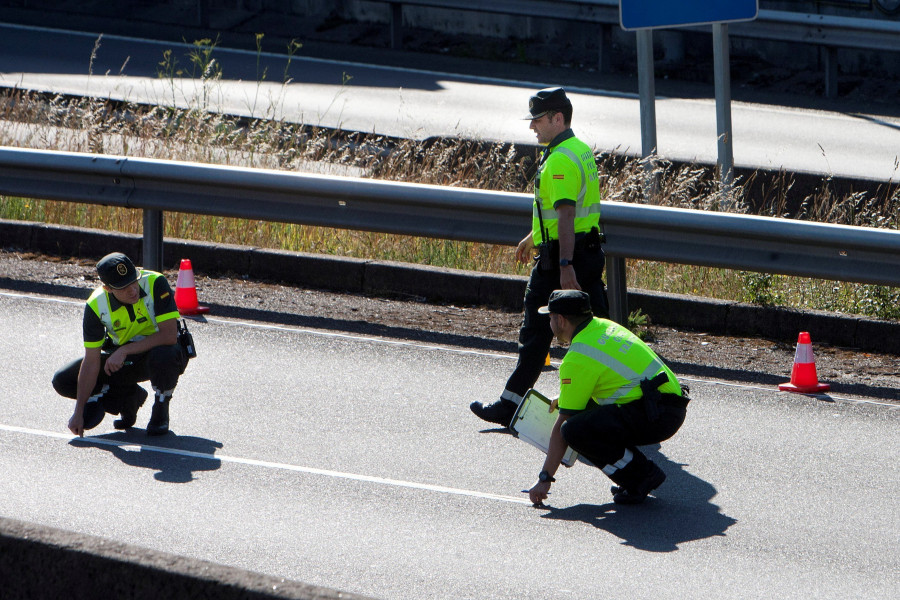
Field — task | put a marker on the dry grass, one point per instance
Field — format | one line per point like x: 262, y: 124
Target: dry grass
x: 84, y: 125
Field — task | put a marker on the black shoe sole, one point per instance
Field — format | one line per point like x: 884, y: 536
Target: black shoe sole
x: 623, y: 496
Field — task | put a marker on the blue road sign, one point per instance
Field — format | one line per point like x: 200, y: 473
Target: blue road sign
x: 646, y: 14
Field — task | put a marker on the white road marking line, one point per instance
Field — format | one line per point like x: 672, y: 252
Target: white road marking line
x: 269, y: 465
x: 363, y: 338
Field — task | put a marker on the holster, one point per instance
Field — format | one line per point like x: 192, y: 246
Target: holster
x: 651, y: 395
x: 186, y: 340
x: 548, y: 255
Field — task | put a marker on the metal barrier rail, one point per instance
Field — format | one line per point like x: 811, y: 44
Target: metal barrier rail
x: 827, y: 31
x: 764, y: 244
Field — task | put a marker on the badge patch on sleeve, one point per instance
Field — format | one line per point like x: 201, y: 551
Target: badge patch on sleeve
x: 164, y: 296
x: 559, y: 176
x: 565, y: 381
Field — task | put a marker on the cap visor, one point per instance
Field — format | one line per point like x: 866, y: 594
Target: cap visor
x: 544, y: 310
x: 123, y: 285
x: 533, y: 117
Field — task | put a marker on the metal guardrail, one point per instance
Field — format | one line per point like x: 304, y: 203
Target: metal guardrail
x: 838, y: 252
x: 827, y: 31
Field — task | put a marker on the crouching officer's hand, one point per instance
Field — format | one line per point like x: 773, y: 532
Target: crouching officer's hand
x: 538, y: 492
x: 76, y: 424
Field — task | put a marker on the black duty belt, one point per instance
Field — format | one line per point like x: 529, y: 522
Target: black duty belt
x: 583, y: 242
x: 653, y: 398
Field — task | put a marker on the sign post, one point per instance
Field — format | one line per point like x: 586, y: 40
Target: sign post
x: 643, y: 16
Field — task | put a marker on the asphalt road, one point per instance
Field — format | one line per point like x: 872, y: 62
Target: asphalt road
x: 415, y: 103
x: 353, y: 462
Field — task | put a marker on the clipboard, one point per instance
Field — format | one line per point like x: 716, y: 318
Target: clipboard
x: 533, y: 422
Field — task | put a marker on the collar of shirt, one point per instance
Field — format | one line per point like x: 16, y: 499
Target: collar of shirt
x: 568, y: 133
x: 581, y: 327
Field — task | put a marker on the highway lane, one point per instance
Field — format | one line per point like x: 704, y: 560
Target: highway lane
x: 419, y: 104
x: 353, y: 462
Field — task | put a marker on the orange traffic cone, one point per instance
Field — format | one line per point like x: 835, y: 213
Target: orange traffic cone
x: 186, y: 291
x: 803, y: 376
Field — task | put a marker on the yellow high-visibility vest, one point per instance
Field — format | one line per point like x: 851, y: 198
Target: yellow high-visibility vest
x: 606, y: 363
x: 121, y: 327
x: 569, y: 172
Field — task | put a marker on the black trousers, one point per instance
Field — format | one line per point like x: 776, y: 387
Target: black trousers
x: 535, y: 335
x: 609, y: 435
x: 161, y: 365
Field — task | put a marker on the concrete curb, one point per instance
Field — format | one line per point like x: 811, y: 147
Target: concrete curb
x: 39, y: 562
x: 385, y: 278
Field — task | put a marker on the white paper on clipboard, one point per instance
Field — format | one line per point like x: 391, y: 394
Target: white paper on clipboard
x: 533, y: 423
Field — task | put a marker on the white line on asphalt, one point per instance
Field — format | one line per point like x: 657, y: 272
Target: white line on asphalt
x: 419, y: 345
x: 269, y: 465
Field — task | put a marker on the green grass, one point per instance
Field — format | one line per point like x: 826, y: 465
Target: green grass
x: 84, y: 125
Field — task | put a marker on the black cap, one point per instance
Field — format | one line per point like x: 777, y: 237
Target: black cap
x: 569, y: 303
x: 546, y: 100
x: 116, y: 271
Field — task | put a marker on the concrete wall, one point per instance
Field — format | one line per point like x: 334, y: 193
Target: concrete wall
x: 671, y: 46
x: 43, y: 563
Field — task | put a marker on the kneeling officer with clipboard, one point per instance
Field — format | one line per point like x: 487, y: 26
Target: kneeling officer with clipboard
x: 615, y: 394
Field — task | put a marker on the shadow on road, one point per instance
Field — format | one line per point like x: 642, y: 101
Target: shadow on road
x: 175, y: 458
x: 680, y: 512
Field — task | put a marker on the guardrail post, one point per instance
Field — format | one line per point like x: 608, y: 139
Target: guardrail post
x: 604, y: 50
x: 721, y: 60
x: 831, y: 71
x: 396, y: 25
x: 152, y: 249
x: 203, y: 13
x: 617, y: 289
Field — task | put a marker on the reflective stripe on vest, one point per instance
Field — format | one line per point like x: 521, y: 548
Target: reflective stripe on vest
x: 99, y: 303
x: 622, y: 370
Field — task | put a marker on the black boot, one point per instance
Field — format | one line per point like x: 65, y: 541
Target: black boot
x: 637, y: 492
x: 159, y: 419
x: 500, y: 412
x: 129, y: 410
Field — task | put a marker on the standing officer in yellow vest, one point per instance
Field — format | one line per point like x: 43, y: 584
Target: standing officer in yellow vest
x: 130, y: 330
x: 564, y: 242
x: 615, y: 394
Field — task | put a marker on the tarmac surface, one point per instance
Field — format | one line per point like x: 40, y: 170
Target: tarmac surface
x: 350, y: 460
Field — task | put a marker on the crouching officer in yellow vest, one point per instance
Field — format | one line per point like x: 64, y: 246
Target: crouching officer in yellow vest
x: 130, y: 330
x: 615, y: 395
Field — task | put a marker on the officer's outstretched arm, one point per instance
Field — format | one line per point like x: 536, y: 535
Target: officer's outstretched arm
x: 555, y: 452
x: 87, y: 380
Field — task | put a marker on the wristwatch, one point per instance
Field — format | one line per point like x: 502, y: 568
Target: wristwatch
x: 564, y: 262
x: 544, y: 476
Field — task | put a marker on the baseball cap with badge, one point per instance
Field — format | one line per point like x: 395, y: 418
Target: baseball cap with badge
x: 568, y: 303
x: 116, y: 271
x: 546, y: 100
